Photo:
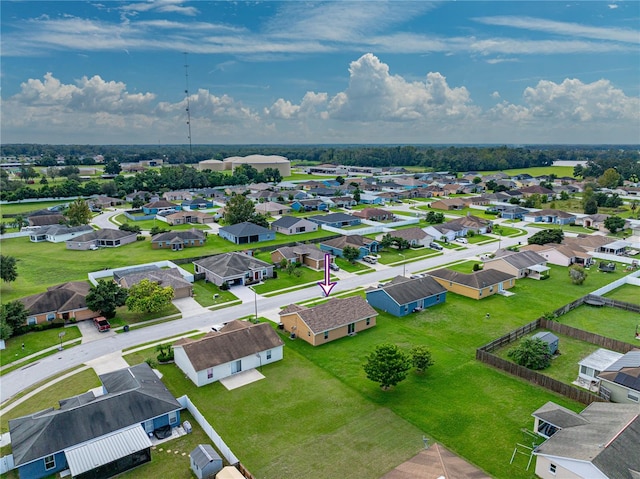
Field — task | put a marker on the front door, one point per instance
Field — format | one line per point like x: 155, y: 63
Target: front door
x: 500, y: 287
x: 236, y: 367
x: 351, y: 328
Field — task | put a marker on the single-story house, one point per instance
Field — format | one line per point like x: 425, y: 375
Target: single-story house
x: 142, y: 195
x: 272, y: 208
x: 96, y: 436
x: 620, y: 381
x: 374, y: 214
x: 472, y: 223
x: 46, y: 219
x: 414, y: 236
x: 164, y: 277
x: 64, y: 301
x: 336, y: 220
x: 364, y: 245
x: 448, y: 204
x: 188, y: 217
x: 403, y: 296
x: 446, y: 231
x: 233, y: 268
x: 311, y: 204
x: 105, y: 238
x: 562, y: 254
x: 546, y: 193
x: 58, y: 233
x: 104, y: 201
x: 205, y: 461
x: 596, y: 362
x: 291, y: 225
x: 337, y: 318
x: 476, y: 285
x: 522, y: 264
x: 556, y: 217
x: 306, y: 254
x: 599, y: 443
x: 550, y: 339
x: 343, y: 201
x: 238, y: 346
x: 616, y: 247
x: 512, y: 212
x: 177, y: 195
x: 246, y: 232
x: 369, y: 199
x: 156, y: 207
x: 196, y: 204
x: 178, y: 240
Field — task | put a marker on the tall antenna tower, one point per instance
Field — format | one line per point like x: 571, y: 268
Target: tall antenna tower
x: 186, y: 92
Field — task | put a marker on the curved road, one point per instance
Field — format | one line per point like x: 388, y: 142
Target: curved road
x: 33, y: 373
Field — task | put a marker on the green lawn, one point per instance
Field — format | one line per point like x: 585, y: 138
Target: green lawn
x: 570, y: 228
x: 627, y: 292
x: 204, y: 293
x: 356, y: 267
x: 535, y: 171
x: 286, y: 280
x: 464, y: 267
x: 393, y: 256
x: 148, y: 224
x: 124, y: 316
x: 20, y: 208
x: 610, y: 322
x: 463, y: 212
x: 35, y: 342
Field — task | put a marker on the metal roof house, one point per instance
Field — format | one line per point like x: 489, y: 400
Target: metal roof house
x: 205, y: 461
x: 403, y: 296
x: 96, y: 436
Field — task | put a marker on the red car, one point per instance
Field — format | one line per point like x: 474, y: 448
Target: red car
x: 102, y: 324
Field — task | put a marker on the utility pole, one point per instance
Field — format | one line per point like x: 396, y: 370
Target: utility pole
x: 186, y: 92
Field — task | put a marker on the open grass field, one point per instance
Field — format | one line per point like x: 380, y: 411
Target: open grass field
x: 285, y: 280
x: 393, y: 256
x: 610, y: 322
x: 569, y: 228
x: 37, y: 270
x: 148, y: 224
x: 535, y: 171
x: 26, y: 207
x: 204, y: 292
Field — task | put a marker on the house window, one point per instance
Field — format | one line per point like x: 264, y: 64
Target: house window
x: 268, y: 354
x: 368, y: 321
x: 51, y: 316
x: 32, y: 321
x: 632, y: 397
x: 210, y: 373
x: 552, y: 468
x: 491, y: 289
x: 173, y: 417
x: 437, y: 298
x: 326, y: 335
x: 49, y: 462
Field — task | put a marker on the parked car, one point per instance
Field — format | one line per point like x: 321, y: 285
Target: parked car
x: 435, y: 246
x: 334, y: 267
x: 370, y: 259
x: 462, y: 240
x: 102, y: 324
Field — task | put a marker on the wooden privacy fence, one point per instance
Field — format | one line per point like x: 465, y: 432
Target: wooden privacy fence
x: 485, y: 353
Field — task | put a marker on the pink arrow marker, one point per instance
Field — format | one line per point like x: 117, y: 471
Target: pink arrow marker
x: 327, y: 285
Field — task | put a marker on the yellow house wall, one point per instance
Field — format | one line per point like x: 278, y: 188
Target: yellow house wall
x: 303, y: 332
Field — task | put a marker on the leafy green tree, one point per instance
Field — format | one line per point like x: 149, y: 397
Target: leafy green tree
x: 19, y: 222
x: 387, y: 365
x: 531, y: 353
x: 552, y: 235
x: 272, y: 174
x: 112, y: 168
x: 79, y: 213
x: 238, y: 209
x: 350, y: 253
x: 148, y: 297
x: 387, y: 241
x: 3, y: 228
x: 434, y: 217
x: 6, y: 331
x: 259, y: 219
x: 591, y: 206
x: 8, y: 268
x: 610, y: 178
x: 69, y: 171
x: 340, y: 180
x: 356, y: 195
x: 131, y: 228
x: 52, y: 172
x: 577, y: 273
x: 614, y: 223
x: 564, y: 196
x: 137, y: 203
x: 14, y: 314
x: 421, y: 358
x: 105, y: 297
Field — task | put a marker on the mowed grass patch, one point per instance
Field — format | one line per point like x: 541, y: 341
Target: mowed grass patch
x: 610, y: 322
x: 300, y: 276
x: 299, y: 404
x: 28, y: 207
x: 628, y: 293
x: 204, y: 293
x: 34, y: 342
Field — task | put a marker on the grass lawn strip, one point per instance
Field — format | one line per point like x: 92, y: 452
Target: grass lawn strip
x: 628, y: 293
x: 610, y: 322
x: 35, y: 342
x: 33, y: 358
x: 172, y: 339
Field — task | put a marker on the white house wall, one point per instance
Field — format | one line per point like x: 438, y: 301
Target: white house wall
x: 182, y: 361
x: 566, y: 468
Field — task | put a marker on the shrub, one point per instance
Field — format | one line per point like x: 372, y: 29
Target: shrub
x: 531, y: 353
x: 224, y: 286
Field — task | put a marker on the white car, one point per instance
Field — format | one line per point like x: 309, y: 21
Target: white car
x: 462, y: 240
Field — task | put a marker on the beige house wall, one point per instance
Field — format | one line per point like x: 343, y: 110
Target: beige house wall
x: 472, y: 292
x: 303, y: 332
x: 619, y: 393
x: 504, y: 267
x: 542, y: 470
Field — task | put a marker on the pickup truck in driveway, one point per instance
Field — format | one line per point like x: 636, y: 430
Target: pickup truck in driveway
x: 102, y: 324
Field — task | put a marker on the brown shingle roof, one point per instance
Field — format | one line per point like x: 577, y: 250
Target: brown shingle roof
x: 334, y: 313
x: 476, y: 280
x: 63, y: 297
x: 230, y: 344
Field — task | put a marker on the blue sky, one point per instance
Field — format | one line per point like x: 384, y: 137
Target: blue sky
x: 320, y: 72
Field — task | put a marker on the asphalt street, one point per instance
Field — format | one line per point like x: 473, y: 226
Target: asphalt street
x: 18, y: 380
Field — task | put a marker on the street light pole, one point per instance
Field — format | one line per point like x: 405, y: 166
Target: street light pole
x: 255, y: 303
x: 404, y: 265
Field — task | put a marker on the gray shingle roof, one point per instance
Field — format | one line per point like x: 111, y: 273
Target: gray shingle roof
x: 559, y: 416
x: 55, y: 230
x: 231, y: 264
x: 609, y: 439
x: 135, y: 394
x: 331, y: 218
x: 334, y: 313
x: 286, y: 221
x: 477, y: 280
x: 521, y: 259
x: 62, y: 297
x: 245, y: 229
x: 192, y: 234
x: 403, y: 290
x: 350, y: 240
x: 203, y: 454
x: 104, y: 234
x: 410, y: 234
x: 230, y: 344
x: 164, y: 277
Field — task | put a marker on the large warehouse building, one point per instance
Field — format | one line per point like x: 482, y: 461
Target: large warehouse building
x: 259, y: 162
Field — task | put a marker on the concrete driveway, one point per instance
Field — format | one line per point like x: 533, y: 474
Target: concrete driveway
x: 90, y: 332
x: 189, y: 307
